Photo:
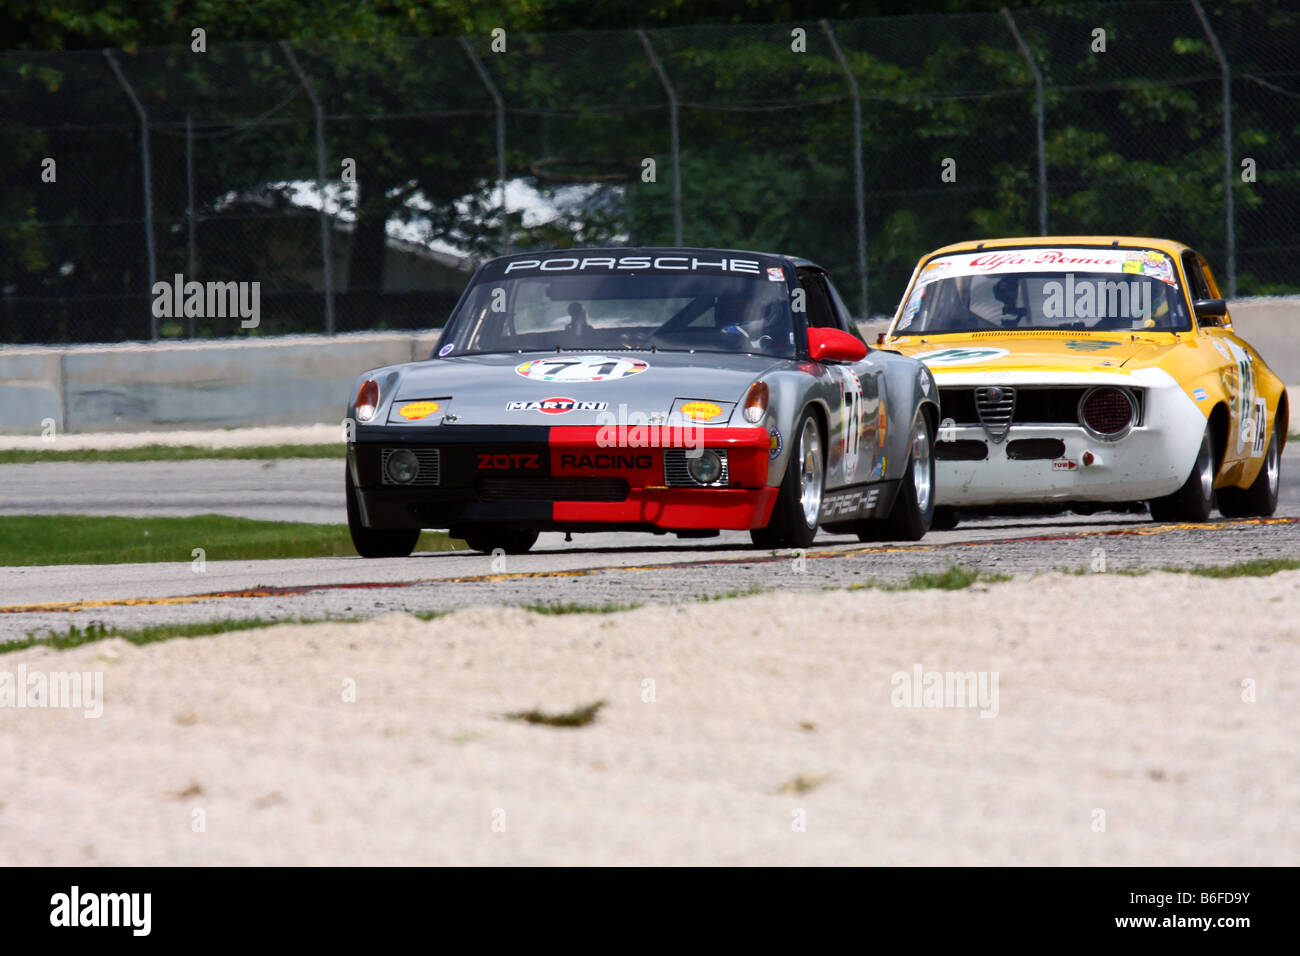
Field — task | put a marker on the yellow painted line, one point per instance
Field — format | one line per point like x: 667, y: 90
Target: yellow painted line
x: 293, y: 590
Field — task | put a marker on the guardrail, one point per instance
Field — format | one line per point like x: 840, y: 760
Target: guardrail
x: 304, y: 380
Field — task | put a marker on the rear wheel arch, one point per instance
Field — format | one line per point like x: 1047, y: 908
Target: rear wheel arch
x: 1283, y: 417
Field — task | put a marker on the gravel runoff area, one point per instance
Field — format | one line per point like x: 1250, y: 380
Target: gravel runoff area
x: 1113, y: 720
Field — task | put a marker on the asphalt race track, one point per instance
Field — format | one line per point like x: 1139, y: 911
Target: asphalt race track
x: 592, y: 569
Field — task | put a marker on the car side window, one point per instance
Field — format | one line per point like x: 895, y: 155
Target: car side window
x: 820, y: 312
x: 846, y: 317
x: 1195, y: 277
x: 1208, y: 276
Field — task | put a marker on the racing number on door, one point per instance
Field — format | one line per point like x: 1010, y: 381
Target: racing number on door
x: 852, y: 418
x: 1242, y: 388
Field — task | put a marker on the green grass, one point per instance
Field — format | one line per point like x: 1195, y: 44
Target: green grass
x: 86, y: 539
x: 576, y: 607
x: 1261, y: 567
x: 954, y: 578
x: 578, y: 717
x: 25, y: 456
x: 99, y: 631
x: 1258, y: 568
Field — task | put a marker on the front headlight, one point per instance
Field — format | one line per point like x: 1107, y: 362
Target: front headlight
x: 402, y: 466
x: 706, y: 469
x: 367, y: 400
x: 756, y: 403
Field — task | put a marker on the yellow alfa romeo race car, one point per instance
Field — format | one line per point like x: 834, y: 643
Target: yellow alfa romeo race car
x: 1091, y: 372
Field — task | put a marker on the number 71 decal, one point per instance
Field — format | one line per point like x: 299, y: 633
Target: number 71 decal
x: 580, y: 368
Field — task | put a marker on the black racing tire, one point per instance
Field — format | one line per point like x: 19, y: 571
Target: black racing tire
x: 377, y: 542
x: 1195, y: 499
x: 913, y: 512
x: 1260, y: 499
x: 797, y: 512
x: 508, y: 540
x: 945, y: 519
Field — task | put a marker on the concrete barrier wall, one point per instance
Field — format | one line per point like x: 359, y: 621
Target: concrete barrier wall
x: 304, y: 380
x: 295, y: 380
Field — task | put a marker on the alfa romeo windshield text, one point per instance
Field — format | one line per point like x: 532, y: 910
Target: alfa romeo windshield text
x: 1056, y: 289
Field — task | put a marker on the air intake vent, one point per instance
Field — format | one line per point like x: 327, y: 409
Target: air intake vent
x: 553, y: 489
x: 995, y: 405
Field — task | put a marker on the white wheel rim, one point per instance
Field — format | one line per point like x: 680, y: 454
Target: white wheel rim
x: 921, y: 480
x: 811, y: 473
x: 1273, y: 465
x: 1205, y: 464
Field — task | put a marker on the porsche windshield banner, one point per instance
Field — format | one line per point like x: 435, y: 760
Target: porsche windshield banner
x: 661, y: 263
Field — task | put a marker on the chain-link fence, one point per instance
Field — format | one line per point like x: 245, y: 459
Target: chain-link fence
x: 357, y: 183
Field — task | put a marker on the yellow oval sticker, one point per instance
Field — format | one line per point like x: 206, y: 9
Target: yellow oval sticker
x: 701, y: 411
x: 414, y: 411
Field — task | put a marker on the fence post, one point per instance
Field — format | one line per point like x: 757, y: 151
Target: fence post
x: 189, y: 209
x: 859, y: 189
x: 326, y: 233
x: 673, y: 131
x: 501, y: 139
x: 148, y: 183
x: 1039, y: 109
x: 1230, y: 217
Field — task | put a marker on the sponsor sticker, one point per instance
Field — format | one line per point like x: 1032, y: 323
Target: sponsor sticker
x: 961, y: 356
x: 1200, y: 394
x: 488, y: 461
x: 445, y: 350
x: 1151, y: 263
x: 556, y: 406
x: 612, y: 460
x: 580, y: 368
x: 1091, y: 345
x: 414, y: 411
x: 701, y: 411
x: 775, y: 274
x: 774, y: 443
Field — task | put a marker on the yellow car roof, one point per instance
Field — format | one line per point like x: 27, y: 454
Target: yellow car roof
x: 1145, y: 242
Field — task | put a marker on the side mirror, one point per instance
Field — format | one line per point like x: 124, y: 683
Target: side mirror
x: 1213, y: 309
x: 833, y: 345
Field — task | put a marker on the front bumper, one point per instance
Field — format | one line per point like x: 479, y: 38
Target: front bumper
x: 1152, y: 460
x: 559, y: 478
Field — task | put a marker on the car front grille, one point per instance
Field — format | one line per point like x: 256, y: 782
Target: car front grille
x: 995, y: 404
x: 552, y: 489
x: 428, y: 473
x: 676, y: 474
x: 1035, y: 405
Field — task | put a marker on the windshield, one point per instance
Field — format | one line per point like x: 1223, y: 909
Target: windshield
x: 1104, y: 290
x: 639, y: 310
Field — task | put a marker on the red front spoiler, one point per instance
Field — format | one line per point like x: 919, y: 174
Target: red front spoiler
x: 636, y: 454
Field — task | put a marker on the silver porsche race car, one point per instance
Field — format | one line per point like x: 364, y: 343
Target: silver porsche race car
x: 663, y: 390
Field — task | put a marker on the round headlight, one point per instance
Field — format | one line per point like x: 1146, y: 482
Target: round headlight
x: 402, y: 467
x: 706, y: 469
x: 1107, y: 411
